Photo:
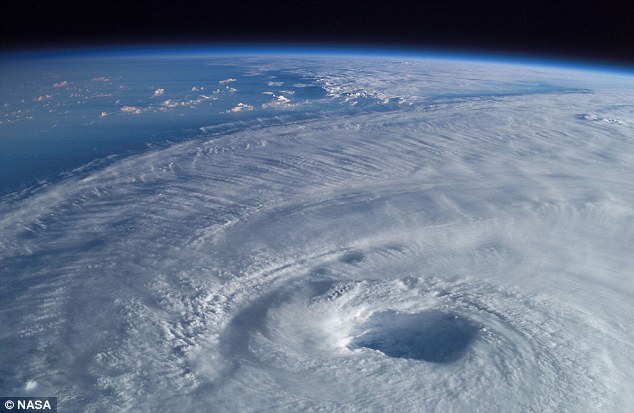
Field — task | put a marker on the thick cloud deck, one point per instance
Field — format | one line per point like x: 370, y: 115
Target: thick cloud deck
x: 360, y: 234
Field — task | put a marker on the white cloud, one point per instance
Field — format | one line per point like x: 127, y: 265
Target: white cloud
x: 103, y: 114
x: 520, y: 212
x: 230, y: 80
x: 240, y: 107
x: 100, y: 79
x: 134, y: 110
x: 158, y: 92
x: 61, y: 84
x: 278, y: 101
x: 169, y: 103
x: 598, y: 118
x: 274, y: 83
x: 43, y: 98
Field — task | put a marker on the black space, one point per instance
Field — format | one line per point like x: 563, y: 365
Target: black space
x: 581, y: 29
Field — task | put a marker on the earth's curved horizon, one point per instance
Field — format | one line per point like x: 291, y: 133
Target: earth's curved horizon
x: 263, y: 229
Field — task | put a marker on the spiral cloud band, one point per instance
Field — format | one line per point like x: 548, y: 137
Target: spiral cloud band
x: 405, y: 251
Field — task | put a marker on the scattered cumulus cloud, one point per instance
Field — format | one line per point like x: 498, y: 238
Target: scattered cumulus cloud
x: 170, y: 103
x: 103, y: 114
x: 42, y: 98
x: 158, y: 92
x: 274, y: 83
x: 61, y: 84
x: 134, y: 110
x: 277, y: 102
x: 240, y: 107
x: 230, y: 80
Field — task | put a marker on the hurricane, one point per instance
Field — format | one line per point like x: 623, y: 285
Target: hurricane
x: 321, y: 233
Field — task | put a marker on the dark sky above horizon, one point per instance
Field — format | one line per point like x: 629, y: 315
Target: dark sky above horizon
x: 584, y: 30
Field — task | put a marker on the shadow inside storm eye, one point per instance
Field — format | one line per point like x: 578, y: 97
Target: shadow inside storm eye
x: 432, y: 336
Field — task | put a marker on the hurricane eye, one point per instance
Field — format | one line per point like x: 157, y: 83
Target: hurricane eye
x: 431, y: 336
